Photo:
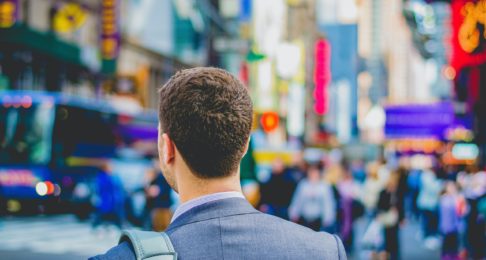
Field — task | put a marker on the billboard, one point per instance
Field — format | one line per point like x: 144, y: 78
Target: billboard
x: 419, y: 121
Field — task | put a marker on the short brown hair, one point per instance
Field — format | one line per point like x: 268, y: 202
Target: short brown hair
x: 207, y: 113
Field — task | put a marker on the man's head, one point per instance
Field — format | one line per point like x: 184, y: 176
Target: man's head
x: 205, y: 117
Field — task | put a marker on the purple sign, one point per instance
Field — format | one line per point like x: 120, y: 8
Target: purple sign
x: 110, y: 29
x: 419, y: 121
x: 139, y: 132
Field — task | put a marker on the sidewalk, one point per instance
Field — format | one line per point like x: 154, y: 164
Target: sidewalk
x: 411, y: 248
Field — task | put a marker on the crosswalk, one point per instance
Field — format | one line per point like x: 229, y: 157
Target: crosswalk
x: 55, y: 235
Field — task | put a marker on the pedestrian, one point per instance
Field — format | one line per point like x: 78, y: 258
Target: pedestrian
x: 277, y: 192
x: 450, y: 212
x: 158, y: 201
x: 333, y: 174
x: 402, y: 189
x: 389, y: 216
x: 371, y: 189
x: 414, y: 186
x: 428, y: 202
x: 313, y: 203
x: 358, y: 170
x: 473, y: 183
x: 347, y: 191
x: 205, y: 122
x: 109, y: 199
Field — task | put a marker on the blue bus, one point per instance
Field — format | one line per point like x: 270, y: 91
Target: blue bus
x: 53, y: 145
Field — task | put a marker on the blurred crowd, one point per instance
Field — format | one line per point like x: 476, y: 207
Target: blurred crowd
x: 331, y: 194
x: 149, y: 207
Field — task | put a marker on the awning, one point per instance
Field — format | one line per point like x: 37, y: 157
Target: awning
x: 44, y: 42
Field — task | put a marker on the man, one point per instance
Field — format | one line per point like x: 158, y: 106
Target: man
x: 277, y: 192
x: 157, y: 200
x: 205, y: 121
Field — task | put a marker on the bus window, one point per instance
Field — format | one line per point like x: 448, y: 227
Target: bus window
x: 83, y: 133
x: 25, y: 133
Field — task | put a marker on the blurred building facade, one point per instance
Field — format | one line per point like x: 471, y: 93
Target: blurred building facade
x: 321, y: 72
x: 114, y: 49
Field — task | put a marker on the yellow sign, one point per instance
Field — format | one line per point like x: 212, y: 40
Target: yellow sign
x: 110, y: 37
x: 8, y: 13
x: 69, y: 17
x: 267, y: 157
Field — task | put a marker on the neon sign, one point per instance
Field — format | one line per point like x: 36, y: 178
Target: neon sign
x: 322, y: 75
x: 110, y: 35
x: 469, y: 34
x: 469, y: 40
x: 8, y: 13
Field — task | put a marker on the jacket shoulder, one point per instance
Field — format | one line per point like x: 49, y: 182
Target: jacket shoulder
x: 281, y: 238
x: 123, y: 251
x: 331, y: 244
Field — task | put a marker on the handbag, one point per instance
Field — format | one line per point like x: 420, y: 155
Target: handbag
x: 388, y: 218
x: 373, y: 237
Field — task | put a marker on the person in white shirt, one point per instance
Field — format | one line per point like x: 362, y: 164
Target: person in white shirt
x: 313, y: 204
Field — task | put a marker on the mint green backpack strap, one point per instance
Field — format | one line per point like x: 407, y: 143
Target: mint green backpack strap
x: 149, y: 245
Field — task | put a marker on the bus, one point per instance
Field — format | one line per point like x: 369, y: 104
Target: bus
x: 53, y: 145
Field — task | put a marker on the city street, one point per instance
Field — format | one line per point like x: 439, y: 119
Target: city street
x: 324, y: 112
x: 61, y: 237
x: 52, y: 237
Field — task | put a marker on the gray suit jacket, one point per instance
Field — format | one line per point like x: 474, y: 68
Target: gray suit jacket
x: 233, y: 229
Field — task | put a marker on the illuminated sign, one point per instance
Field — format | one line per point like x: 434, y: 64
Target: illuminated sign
x: 322, y: 75
x: 469, y: 36
x: 296, y: 109
x: 9, y: 10
x: 16, y: 101
x: 465, y: 151
x: 419, y: 120
x: 269, y: 121
x: 20, y: 177
x: 69, y: 17
x: 110, y: 34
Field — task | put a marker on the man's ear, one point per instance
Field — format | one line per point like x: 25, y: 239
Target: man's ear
x: 167, y: 148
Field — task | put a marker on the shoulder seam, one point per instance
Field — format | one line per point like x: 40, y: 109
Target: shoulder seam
x: 221, y: 238
x: 337, y: 246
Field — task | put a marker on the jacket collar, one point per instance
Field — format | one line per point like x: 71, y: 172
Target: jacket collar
x: 214, y: 209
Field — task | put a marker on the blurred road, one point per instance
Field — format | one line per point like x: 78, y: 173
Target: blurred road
x: 63, y: 237
x: 52, y: 237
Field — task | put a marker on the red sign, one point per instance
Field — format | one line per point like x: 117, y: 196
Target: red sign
x: 10, y: 178
x: 468, y: 39
x: 269, y: 121
x: 322, y: 75
x: 243, y: 75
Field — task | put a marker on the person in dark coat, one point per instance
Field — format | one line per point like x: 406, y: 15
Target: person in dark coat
x: 390, y: 212
x: 277, y: 193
